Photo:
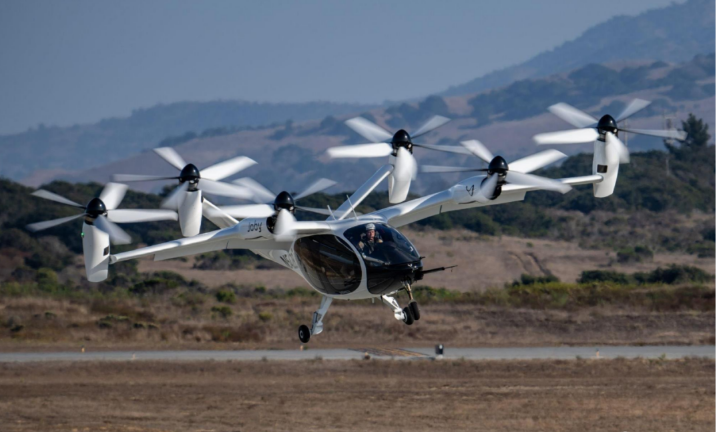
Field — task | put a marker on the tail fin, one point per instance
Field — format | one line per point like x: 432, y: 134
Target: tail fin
x: 605, y: 164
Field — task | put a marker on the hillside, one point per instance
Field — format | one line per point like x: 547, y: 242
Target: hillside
x: 673, y: 34
x: 78, y: 147
x: 504, y: 119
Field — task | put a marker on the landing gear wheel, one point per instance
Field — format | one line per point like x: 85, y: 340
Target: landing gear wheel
x: 408, y: 316
x: 414, y: 310
x: 304, y: 334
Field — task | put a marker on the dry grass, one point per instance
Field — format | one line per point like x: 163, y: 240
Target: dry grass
x: 164, y: 323
x: 577, y: 395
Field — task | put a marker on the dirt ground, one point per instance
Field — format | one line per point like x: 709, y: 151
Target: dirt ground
x: 574, y: 395
x: 482, y: 261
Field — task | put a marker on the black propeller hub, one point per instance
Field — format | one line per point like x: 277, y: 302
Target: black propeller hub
x: 284, y: 201
x: 497, y: 165
x: 95, y: 208
x: 607, y: 124
x: 189, y: 173
x: 402, y: 139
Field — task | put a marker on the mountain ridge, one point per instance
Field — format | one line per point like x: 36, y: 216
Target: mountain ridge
x: 657, y: 39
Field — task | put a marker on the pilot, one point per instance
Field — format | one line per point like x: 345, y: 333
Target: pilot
x: 369, y: 240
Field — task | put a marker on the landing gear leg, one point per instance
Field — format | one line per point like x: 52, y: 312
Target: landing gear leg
x: 393, y: 304
x: 304, y: 334
x: 413, y: 305
x: 399, y: 314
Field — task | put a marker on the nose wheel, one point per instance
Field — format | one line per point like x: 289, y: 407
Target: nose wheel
x: 412, y: 311
x: 304, y: 334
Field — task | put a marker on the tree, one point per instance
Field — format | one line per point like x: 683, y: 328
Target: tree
x: 697, y: 138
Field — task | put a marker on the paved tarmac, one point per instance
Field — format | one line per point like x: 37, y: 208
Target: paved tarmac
x: 527, y: 353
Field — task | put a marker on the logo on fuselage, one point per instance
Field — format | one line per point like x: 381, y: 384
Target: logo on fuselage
x: 255, y: 226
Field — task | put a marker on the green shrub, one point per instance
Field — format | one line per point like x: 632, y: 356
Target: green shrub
x: 301, y: 292
x: 224, y: 311
x: 527, y: 279
x: 225, y: 296
x: 265, y: 316
x: 704, y: 249
x: 674, y: 274
x: 591, y: 276
x: 634, y: 255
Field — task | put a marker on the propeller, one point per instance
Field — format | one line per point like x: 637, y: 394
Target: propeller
x: 103, y: 213
x: 282, y: 201
x: 399, y: 145
x: 605, y: 129
x: 191, y: 179
x: 500, y: 173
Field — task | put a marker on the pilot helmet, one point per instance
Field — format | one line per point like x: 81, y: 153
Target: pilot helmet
x: 369, y: 227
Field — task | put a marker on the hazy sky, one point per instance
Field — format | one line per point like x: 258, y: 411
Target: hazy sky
x: 66, y: 62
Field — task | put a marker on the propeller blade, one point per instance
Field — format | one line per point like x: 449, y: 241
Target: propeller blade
x: 54, y: 197
x: 248, y: 211
x: 116, y: 234
x: 406, y: 167
x: 574, y: 136
x: 478, y: 149
x: 664, y: 133
x: 487, y: 189
x: 317, y: 186
x: 112, y: 195
x: 284, y: 229
x: 132, y: 215
x: 170, y: 155
x: 224, y: 189
x: 572, y: 115
x: 622, y: 150
x: 138, y: 177
x: 369, y: 130
x: 536, y: 161
x: 261, y: 194
x: 447, y: 149
x: 634, y: 107
x: 176, y: 197
x: 445, y: 169
x: 320, y: 211
x: 523, y: 179
x: 39, y: 226
x: 360, y: 150
x: 227, y: 168
x: 430, y: 125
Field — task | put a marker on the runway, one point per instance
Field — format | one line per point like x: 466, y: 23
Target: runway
x: 525, y: 353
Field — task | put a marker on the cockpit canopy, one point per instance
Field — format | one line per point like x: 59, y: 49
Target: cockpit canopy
x: 333, y: 268
x: 390, y: 259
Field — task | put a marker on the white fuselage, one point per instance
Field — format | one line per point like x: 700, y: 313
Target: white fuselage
x: 256, y: 228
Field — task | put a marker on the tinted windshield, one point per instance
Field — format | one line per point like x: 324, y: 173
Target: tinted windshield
x: 328, y: 263
x: 381, y: 245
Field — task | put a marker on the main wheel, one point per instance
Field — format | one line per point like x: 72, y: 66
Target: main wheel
x: 414, y: 310
x: 304, y: 334
x: 408, y: 316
